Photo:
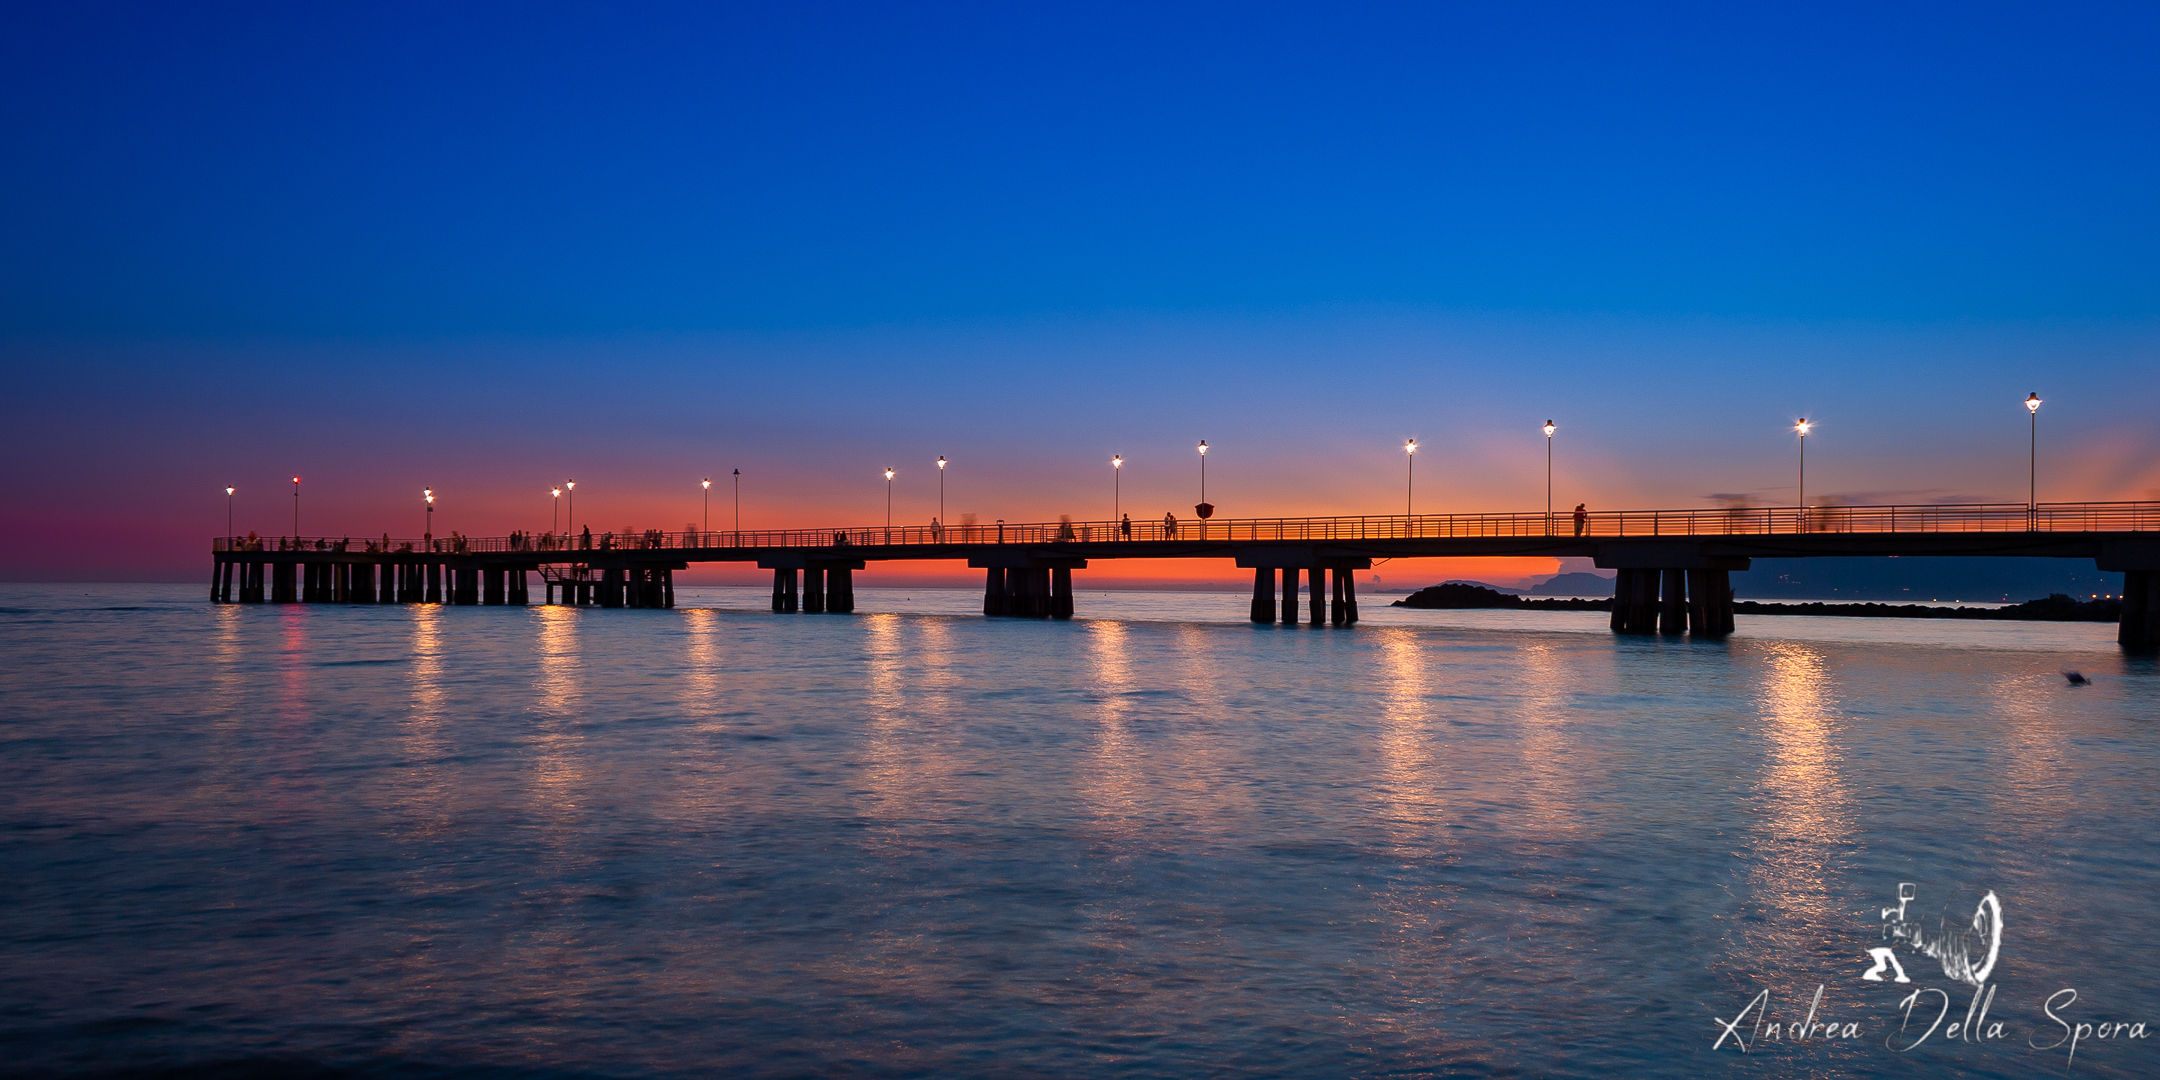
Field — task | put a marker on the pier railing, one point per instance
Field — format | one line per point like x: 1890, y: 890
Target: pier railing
x: 1735, y: 521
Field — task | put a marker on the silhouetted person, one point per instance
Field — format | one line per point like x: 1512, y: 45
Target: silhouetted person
x: 1124, y: 527
x: 1582, y: 519
x: 585, y: 540
x: 1169, y: 524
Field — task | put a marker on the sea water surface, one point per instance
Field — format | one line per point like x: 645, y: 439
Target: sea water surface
x: 1154, y: 841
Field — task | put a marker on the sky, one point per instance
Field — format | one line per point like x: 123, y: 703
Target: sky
x: 485, y: 249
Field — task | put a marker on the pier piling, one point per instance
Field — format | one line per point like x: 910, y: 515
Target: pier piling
x: 2139, y: 631
x: 1061, y: 596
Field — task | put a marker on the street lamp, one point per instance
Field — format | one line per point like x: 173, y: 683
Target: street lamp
x: 427, y: 526
x: 941, y: 491
x: 888, y: 503
x: 556, y: 502
x: 738, y: 508
x: 1117, y: 486
x: 228, y: 512
x: 707, y: 482
x: 2032, y: 459
x: 1205, y: 509
x: 296, y: 509
x: 1409, y: 474
x: 1802, y: 427
x: 571, y: 487
x: 1548, y: 477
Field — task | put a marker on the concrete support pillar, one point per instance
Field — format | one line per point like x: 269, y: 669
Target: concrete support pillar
x: 1646, y: 601
x: 520, y: 588
x: 1672, y: 608
x: 1635, y: 601
x: 1263, y: 595
x: 779, y: 591
x: 493, y: 583
x: 1349, y: 594
x: 549, y: 585
x: 994, y: 591
x: 1340, y: 616
x: 2139, y: 630
x: 282, y: 587
x: 1023, y: 603
x: 434, y: 583
x: 840, y: 590
x: 611, y: 588
x: 1289, y: 595
x: 813, y: 590
x: 1316, y: 588
x: 667, y: 587
x: 1061, y: 598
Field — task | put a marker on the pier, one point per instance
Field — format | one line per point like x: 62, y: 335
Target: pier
x: 1673, y: 567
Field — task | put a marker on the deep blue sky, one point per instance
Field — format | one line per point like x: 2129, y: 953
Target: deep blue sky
x: 1358, y: 224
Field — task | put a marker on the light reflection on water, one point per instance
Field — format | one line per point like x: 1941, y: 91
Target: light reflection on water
x: 1802, y: 832
x: 718, y: 841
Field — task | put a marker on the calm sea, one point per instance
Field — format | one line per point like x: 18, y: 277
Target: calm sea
x: 1155, y: 841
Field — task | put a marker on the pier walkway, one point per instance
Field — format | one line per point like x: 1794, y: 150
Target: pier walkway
x: 1673, y: 566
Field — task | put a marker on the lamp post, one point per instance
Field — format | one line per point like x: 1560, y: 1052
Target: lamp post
x: 556, y: 502
x: 1548, y: 477
x: 941, y: 492
x: 1205, y: 509
x: 888, y: 505
x: 1802, y: 427
x: 427, y: 524
x: 738, y: 508
x: 1117, y: 486
x: 1409, y: 476
x: 228, y: 514
x: 296, y: 509
x: 707, y: 483
x: 2032, y: 460
x: 571, y: 487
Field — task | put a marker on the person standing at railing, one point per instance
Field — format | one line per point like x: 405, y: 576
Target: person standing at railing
x: 1169, y: 525
x: 1582, y: 519
x: 937, y: 532
x: 585, y: 540
x: 1125, y: 527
